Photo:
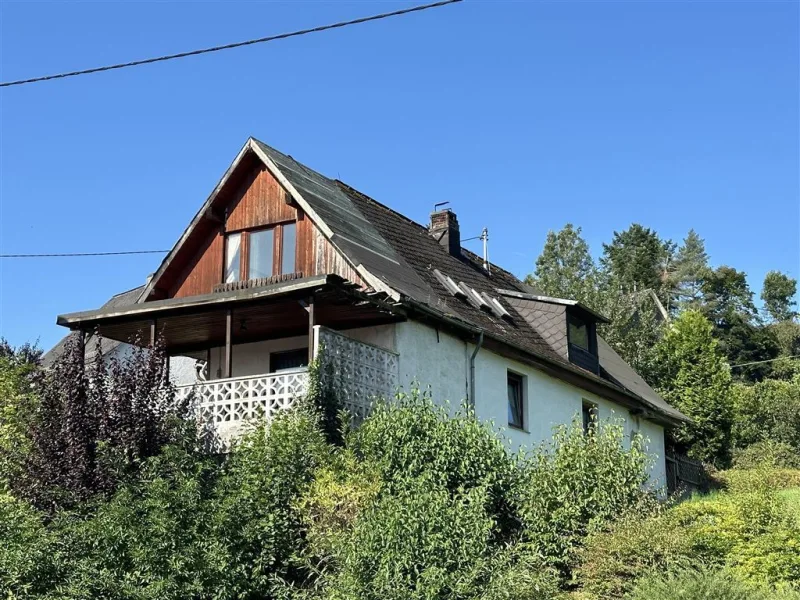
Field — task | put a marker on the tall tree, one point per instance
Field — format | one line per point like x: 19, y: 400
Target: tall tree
x: 695, y: 378
x: 687, y: 272
x: 637, y: 259
x: 728, y: 304
x: 778, y: 295
x: 565, y: 268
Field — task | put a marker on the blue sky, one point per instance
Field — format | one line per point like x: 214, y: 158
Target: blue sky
x: 524, y: 115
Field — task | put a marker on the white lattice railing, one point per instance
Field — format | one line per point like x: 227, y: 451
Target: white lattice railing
x: 227, y: 404
x: 361, y: 372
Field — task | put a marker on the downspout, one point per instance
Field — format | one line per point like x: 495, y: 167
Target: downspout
x: 472, y: 370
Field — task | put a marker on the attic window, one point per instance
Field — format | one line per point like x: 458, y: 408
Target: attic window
x: 260, y: 253
x: 578, y: 333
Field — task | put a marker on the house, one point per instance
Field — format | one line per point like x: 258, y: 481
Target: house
x: 281, y: 261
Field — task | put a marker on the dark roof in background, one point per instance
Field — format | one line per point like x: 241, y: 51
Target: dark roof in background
x: 128, y: 298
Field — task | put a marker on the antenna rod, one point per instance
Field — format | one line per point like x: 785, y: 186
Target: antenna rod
x: 485, y: 239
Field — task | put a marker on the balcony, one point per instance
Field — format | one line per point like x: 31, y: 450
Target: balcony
x: 358, y: 373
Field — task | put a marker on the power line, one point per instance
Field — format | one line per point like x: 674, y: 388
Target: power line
x: 758, y: 362
x: 262, y: 40
x: 74, y: 254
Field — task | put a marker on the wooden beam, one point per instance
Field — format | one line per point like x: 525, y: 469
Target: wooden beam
x: 153, y: 333
x: 229, y: 343
x: 311, y: 323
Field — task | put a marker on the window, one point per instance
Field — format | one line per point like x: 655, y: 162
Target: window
x: 589, y: 415
x: 260, y: 253
x: 578, y: 333
x: 262, y: 249
x: 516, y: 401
x: 288, y: 248
x: 233, y: 247
x: 291, y: 359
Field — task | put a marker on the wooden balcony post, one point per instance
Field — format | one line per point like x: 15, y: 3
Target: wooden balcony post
x: 311, y: 323
x: 153, y: 325
x: 229, y: 343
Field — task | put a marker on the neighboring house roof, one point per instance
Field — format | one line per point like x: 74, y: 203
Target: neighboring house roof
x: 118, y: 300
x: 398, y: 256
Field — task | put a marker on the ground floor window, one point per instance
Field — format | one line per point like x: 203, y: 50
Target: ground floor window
x: 588, y: 415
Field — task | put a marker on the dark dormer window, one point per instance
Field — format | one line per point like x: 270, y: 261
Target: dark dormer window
x: 582, y: 339
x: 578, y: 333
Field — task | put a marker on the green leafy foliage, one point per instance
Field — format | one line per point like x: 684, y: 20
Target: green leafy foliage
x: 702, y: 584
x: 695, y: 379
x: 767, y: 453
x: 767, y: 411
x: 577, y: 483
x: 778, y: 294
x: 750, y: 531
x: 565, y: 268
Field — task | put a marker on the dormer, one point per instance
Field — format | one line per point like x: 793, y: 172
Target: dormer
x: 567, y: 326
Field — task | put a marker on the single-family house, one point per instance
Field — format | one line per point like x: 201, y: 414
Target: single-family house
x: 281, y: 261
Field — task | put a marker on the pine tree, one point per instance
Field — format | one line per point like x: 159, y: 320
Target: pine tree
x: 565, y: 268
x: 636, y: 260
x: 695, y: 378
x: 687, y: 272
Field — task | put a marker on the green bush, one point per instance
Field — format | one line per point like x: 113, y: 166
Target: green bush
x: 768, y: 410
x: 767, y: 453
x: 636, y: 545
x: 256, y: 534
x: 416, y: 505
x: 743, y: 480
x: 576, y: 484
x: 701, y: 585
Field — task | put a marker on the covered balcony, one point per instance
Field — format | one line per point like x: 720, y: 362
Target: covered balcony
x: 254, y: 345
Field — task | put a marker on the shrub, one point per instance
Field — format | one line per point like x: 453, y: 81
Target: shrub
x: 576, y: 484
x: 93, y: 427
x: 697, y: 585
x: 636, y: 545
x: 418, y: 505
x: 767, y: 453
x: 256, y: 534
x: 763, y: 478
x: 768, y: 410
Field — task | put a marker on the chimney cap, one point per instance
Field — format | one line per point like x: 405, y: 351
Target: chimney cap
x: 436, y: 207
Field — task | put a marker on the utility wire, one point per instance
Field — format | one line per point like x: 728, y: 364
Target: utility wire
x: 758, y: 362
x: 74, y: 254
x: 262, y: 40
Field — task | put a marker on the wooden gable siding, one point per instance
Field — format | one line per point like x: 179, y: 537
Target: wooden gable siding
x: 260, y: 201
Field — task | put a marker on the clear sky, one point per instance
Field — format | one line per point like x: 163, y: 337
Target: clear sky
x: 524, y: 115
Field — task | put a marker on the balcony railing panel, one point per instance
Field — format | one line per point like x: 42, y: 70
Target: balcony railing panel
x: 360, y: 372
x: 226, y: 404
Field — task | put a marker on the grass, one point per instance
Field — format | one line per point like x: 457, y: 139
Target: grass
x: 792, y: 497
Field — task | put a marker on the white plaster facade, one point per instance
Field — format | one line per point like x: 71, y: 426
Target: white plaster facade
x: 440, y: 362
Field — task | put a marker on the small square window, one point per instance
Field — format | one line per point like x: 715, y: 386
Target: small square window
x: 588, y: 415
x: 516, y: 401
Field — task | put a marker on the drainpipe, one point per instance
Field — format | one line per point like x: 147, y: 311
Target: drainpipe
x: 472, y: 370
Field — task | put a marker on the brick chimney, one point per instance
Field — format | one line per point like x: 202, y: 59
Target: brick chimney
x: 444, y: 227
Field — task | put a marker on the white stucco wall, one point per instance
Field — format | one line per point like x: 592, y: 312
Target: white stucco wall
x: 442, y: 362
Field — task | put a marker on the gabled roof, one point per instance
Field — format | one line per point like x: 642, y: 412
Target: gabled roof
x: 398, y: 256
